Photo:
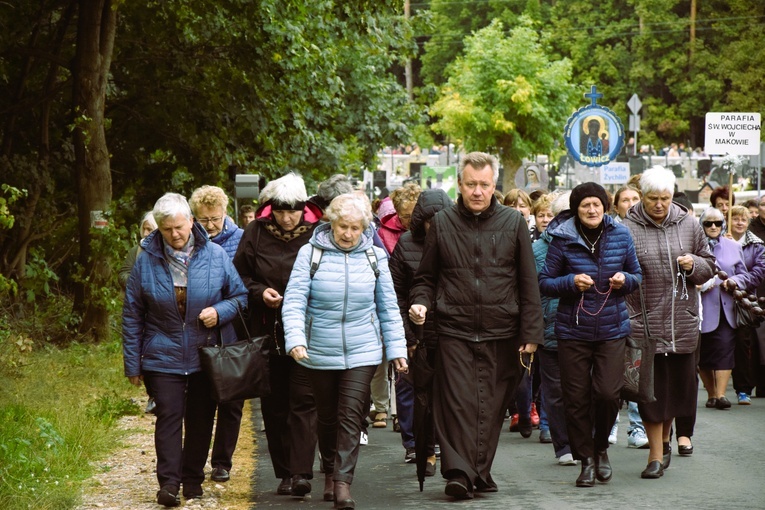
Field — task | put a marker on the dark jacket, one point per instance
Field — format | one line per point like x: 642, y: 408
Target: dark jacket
x: 264, y: 260
x: 568, y: 256
x: 155, y: 336
x: 406, y: 259
x: 549, y: 304
x: 672, y: 318
x: 229, y: 237
x: 480, y: 271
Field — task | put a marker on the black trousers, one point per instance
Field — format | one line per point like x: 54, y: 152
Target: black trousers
x: 549, y: 369
x: 289, y: 414
x: 226, y: 434
x: 183, y: 402
x: 744, y: 371
x: 342, y: 398
x: 591, y: 374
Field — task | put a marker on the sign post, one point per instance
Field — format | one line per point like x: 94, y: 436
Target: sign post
x: 634, y: 104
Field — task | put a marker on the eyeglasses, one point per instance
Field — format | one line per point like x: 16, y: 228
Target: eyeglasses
x: 207, y: 221
x: 717, y: 224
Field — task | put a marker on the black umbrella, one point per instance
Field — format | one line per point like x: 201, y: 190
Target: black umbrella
x: 422, y: 376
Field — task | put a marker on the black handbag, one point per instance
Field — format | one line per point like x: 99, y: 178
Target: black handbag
x: 238, y: 371
x: 638, y: 363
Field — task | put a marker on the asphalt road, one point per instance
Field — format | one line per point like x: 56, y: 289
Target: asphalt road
x: 726, y: 471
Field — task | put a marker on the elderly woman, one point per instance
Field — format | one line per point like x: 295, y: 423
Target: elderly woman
x: 396, y: 223
x: 339, y: 311
x: 183, y: 292
x: 718, y: 335
x: 591, y: 265
x: 745, y: 357
x: 147, y: 226
x: 284, y: 224
x: 675, y: 257
x: 209, y: 205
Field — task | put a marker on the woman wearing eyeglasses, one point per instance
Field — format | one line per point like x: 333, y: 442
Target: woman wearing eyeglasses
x: 718, y: 335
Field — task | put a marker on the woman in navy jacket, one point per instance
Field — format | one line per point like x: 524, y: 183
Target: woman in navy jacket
x: 591, y: 265
x: 182, y: 293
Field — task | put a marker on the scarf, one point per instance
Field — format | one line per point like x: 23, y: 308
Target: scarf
x: 178, y: 260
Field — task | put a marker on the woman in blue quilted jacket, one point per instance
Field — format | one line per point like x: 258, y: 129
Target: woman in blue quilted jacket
x: 591, y: 265
x: 183, y: 292
x: 341, y: 318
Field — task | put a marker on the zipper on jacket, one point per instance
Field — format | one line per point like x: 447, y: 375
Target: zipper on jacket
x: 674, y: 287
x: 377, y: 334
x: 476, y: 268
x: 345, y: 311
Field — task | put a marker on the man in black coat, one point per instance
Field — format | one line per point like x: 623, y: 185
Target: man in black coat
x: 479, y: 268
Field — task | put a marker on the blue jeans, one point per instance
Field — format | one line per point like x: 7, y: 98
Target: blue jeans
x: 405, y: 408
x: 636, y: 422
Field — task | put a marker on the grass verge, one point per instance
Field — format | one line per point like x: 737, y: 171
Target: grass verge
x: 57, y: 411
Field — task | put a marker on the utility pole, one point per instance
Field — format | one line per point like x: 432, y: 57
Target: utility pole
x: 408, y: 64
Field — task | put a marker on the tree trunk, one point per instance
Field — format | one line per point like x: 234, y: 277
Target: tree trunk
x: 95, y: 42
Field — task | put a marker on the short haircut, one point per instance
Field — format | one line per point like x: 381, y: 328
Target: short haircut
x: 657, y: 179
x: 288, y: 189
x: 408, y: 193
x: 350, y: 207
x: 740, y: 210
x: 511, y: 199
x: 208, y: 196
x: 711, y: 213
x: 752, y: 202
x: 561, y: 203
x: 543, y: 203
x: 721, y: 192
x: 246, y: 209
x: 148, y: 218
x: 479, y: 161
x: 171, y: 205
x: 336, y: 185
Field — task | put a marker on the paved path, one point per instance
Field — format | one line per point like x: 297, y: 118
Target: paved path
x: 726, y: 471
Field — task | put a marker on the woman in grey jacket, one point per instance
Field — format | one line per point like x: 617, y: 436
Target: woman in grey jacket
x: 673, y: 253
x: 339, y: 309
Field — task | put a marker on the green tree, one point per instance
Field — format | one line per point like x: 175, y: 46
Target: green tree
x: 506, y: 95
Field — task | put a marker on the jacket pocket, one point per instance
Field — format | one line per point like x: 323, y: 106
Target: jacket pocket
x: 376, y: 329
x: 308, y: 329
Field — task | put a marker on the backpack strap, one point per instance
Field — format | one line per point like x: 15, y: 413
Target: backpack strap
x: 316, y: 254
x: 372, y: 258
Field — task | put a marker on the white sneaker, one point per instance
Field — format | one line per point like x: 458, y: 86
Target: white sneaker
x: 612, y: 437
x: 567, y: 460
x: 637, y: 439
x: 364, y: 438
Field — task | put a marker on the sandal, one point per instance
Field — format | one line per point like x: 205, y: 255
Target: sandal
x: 381, y: 421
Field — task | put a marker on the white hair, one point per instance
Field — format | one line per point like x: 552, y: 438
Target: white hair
x: 657, y: 179
x: 289, y: 189
x: 350, y: 207
x: 561, y: 203
x: 711, y: 213
x: 171, y: 205
x: 148, y: 218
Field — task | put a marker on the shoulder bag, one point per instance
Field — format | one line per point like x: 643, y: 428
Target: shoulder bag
x: 638, y: 363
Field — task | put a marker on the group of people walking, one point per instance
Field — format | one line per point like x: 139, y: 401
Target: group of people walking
x: 468, y: 286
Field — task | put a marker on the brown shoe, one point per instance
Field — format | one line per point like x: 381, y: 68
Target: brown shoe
x: 343, y: 500
x: 381, y: 421
x: 329, y: 487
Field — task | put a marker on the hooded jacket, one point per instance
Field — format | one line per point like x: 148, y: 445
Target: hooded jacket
x: 155, y: 336
x: 229, y: 237
x: 479, y: 269
x: 591, y: 315
x: 344, y: 314
x: 671, y: 297
x: 264, y: 260
x: 405, y: 259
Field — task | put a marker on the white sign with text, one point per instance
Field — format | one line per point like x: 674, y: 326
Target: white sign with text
x: 734, y: 133
x: 614, y: 173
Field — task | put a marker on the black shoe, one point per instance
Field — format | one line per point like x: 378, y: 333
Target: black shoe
x: 587, y: 476
x: 285, y: 487
x: 603, y: 471
x: 220, y: 475
x: 168, y: 496
x: 525, y: 427
x: 722, y: 403
x: 300, y: 486
x: 653, y: 470
x: 667, y: 456
x: 685, y: 449
x: 430, y: 469
x: 192, y: 490
x: 545, y: 437
x: 712, y: 402
x: 459, y: 488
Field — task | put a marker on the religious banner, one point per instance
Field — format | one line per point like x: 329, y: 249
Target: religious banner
x: 594, y: 135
